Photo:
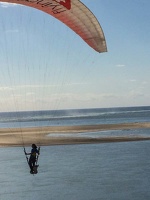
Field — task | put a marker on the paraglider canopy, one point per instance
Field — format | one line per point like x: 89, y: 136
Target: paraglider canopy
x: 75, y: 15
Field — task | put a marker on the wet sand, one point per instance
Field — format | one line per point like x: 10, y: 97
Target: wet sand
x: 39, y: 135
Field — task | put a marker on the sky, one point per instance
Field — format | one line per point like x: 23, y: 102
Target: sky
x: 45, y: 65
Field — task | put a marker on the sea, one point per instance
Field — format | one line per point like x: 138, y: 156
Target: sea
x: 105, y: 171
x: 74, y: 117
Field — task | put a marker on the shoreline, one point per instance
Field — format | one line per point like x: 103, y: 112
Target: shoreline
x: 26, y: 136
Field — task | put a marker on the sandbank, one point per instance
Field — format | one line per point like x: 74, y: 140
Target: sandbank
x: 39, y: 135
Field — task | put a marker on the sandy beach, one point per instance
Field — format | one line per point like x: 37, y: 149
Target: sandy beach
x: 40, y: 135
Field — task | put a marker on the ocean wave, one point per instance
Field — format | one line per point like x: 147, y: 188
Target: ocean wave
x: 81, y: 114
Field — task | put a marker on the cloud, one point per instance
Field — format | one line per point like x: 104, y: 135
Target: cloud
x: 12, y: 31
x: 136, y: 94
x: 5, y: 88
x: 144, y: 83
x: 6, y: 5
x: 18, y: 87
x: 86, y: 97
x: 80, y: 83
x: 108, y: 95
x: 132, y: 80
x: 30, y: 93
x: 120, y: 65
